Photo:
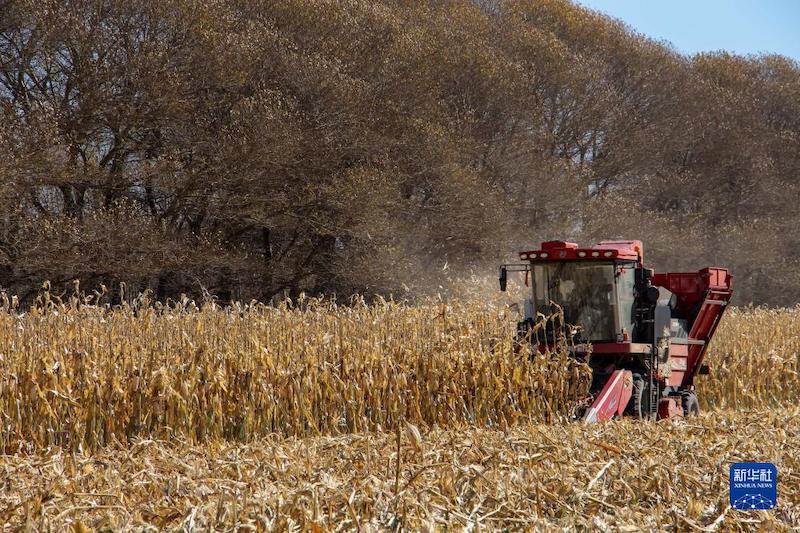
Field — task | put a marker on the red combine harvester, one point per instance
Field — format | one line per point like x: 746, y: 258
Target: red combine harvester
x: 648, y: 332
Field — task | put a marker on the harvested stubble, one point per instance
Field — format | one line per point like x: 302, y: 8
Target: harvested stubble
x: 76, y: 375
x: 621, y: 476
x: 755, y: 360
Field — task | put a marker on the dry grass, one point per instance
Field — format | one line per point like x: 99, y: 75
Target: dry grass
x: 622, y: 476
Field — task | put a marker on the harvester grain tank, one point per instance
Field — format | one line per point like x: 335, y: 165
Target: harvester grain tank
x: 647, y: 333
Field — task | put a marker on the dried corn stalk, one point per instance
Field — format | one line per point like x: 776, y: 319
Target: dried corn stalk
x: 754, y: 359
x: 623, y: 476
x: 74, y: 374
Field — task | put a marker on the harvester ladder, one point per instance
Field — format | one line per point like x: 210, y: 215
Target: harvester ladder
x: 652, y: 405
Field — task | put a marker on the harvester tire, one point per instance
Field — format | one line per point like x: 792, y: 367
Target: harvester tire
x: 691, y: 407
x: 639, y: 402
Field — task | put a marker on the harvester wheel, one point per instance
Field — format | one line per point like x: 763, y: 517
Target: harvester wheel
x: 691, y: 407
x: 640, y: 399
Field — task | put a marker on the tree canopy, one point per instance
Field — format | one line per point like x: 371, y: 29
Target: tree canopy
x: 254, y: 147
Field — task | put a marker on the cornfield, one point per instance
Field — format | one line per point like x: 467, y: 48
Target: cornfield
x: 73, y: 374
x: 310, y: 415
x: 755, y: 360
x: 78, y: 375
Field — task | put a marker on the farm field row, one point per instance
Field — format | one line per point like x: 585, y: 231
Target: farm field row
x: 79, y: 376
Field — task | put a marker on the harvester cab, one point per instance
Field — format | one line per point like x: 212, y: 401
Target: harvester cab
x: 643, y: 334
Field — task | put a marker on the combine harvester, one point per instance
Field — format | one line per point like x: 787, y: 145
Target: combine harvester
x: 645, y: 334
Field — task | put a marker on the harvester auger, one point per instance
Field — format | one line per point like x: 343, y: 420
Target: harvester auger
x: 648, y: 332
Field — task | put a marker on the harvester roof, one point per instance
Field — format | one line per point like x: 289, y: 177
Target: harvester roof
x: 604, y: 250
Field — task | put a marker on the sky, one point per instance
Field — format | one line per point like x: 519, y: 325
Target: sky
x: 692, y: 26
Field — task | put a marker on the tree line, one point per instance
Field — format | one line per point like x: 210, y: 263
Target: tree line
x: 256, y: 148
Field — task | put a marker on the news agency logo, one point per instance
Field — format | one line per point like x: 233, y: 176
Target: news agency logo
x: 754, y: 486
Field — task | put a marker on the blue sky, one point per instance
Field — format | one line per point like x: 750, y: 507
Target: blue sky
x: 740, y: 26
